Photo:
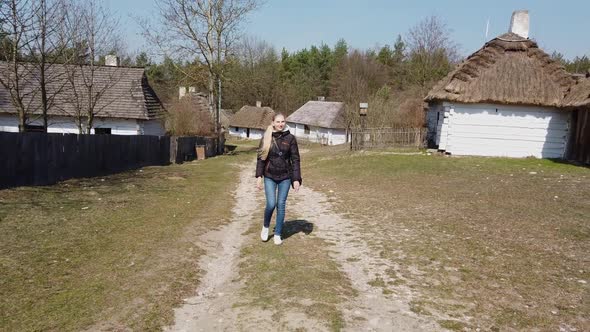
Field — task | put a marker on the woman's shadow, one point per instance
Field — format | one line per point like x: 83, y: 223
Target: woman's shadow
x: 292, y: 227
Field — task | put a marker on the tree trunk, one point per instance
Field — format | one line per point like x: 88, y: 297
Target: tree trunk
x: 44, y: 102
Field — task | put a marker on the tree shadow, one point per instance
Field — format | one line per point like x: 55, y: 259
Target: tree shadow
x: 292, y: 227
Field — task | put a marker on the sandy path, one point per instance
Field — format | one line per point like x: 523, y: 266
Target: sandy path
x: 213, y: 306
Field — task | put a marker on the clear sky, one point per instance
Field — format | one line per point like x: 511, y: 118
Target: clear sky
x: 555, y: 25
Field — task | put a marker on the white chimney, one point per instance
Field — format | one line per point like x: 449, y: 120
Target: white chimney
x: 520, y: 23
x: 181, y: 92
x: 321, y: 98
x: 192, y: 89
x: 111, y: 60
x: 258, y: 103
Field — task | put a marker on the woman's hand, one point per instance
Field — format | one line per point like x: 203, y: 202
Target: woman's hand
x: 259, y: 183
x: 296, y: 186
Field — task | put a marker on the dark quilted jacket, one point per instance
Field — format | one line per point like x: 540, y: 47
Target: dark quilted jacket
x: 283, y: 159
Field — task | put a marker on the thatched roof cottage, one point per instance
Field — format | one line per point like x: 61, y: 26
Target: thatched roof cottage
x: 319, y: 121
x: 251, y: 121
x: 506, y: 99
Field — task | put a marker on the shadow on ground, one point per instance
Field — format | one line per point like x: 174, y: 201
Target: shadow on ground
x: 292, y: 227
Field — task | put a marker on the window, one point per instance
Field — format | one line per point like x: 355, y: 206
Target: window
x: 102, y: 131
x: 34, y: 129
x: 306, y: 129
x: 236, y: 129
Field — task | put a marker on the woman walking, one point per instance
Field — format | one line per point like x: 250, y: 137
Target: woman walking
x: 278, y: 164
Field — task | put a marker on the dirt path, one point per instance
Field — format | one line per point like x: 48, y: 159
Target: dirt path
x: 214, y: 305
x: 371, y: 310
x: 211, y: 309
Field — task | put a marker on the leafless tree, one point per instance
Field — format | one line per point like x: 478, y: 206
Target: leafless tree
x: 16, y: 22
x: 203, y: 28
x: 357, y: 77
x: 45, y: 51
x: 432, y: 52
x: 90, y: 29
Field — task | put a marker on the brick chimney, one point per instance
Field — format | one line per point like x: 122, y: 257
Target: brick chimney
x: 111, y: 60
x: 519, y: 24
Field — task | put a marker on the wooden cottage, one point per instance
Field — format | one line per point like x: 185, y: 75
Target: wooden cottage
x: 578, y: 101
x: 251, y: 121
x: 506, y: 99
x: 126, y: 103
x: 319, y: 121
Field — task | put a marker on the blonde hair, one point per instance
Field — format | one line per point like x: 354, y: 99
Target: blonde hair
x: 267, y: 139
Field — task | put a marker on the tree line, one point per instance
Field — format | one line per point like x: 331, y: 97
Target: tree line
x: 201, y: 43
x: 392, y: 78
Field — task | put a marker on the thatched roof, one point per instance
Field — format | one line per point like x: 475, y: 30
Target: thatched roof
x: 508, y: 69
x: 326, y: 114
x: 579, y: 93
x: 252, y: 117
x: 225, y: 117
x: 125, y: 91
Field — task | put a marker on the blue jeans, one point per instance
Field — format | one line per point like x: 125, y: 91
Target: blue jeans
x: 274, y: 199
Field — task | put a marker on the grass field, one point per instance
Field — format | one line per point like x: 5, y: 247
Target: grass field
x: 107, y: 253
x: 491, y: 243
x: 500, y: 244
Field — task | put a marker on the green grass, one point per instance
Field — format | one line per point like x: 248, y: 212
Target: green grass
x: 110, y: 252
x: 501, y: 240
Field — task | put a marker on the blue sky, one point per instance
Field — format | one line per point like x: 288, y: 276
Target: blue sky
x: 556, y: 25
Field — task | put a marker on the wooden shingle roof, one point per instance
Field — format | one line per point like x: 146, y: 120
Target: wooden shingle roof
x: 326, y: 114
x: 124, y: 91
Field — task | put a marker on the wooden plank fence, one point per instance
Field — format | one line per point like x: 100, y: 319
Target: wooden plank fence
x: 43, y: 159
x: 388, y: 138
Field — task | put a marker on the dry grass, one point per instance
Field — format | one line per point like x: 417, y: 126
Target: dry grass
x: 107, y: 253
x: 495, y: 243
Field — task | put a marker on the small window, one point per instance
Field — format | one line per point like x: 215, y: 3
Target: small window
x: 102, y: 131
x: 306, y: 129
x: 34, y: 129
x: 236, y: 129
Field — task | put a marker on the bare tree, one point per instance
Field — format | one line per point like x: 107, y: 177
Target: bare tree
x: 432, y: 53
x: 357, y: 77
x: 205, y: 28
x: 90, y: 28
x: 16, y: 23
x: 45, y: 50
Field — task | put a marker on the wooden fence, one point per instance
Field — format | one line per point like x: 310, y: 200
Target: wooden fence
x: 42, y: 159
x: 388, y: 138
x: 183, y: 148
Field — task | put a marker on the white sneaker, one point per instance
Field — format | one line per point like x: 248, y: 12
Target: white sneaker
x: 264, y: 234
x: 278, y: 240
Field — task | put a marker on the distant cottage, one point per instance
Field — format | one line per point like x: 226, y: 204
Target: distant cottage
x: 128, y: 105
x: 507, y: 99
x: 319, y: 121
x: 251, y: 121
